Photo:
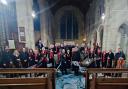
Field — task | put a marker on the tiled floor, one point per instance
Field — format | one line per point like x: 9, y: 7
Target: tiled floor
x: 70, y: 82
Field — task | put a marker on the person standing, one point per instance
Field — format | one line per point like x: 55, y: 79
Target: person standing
x: 98, y: 58
x: 43, y: 62
x: 44, y: 52
x: 104, y: 59
x: 63, y: 62
x: 75, y: 60
x: 37, y: 56
x: 51, y: 57
x: 120, y: 58
x: 16, y: 59
x: 83, y: 54
x: 68, y: 58
x: 110, y: 58
x: 120, y: 61
x: 58, y: 58
x: 31, y: 60
x: 24, y: 56
x: 6, y: 58
x: 92, y: 56
x: 39, y: 45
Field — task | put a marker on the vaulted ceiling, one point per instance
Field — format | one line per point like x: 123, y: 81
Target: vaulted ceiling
x: 83, y: 5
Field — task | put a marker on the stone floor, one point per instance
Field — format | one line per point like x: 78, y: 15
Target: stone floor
x: 70, y: 81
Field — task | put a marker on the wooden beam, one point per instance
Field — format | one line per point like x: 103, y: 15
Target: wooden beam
x: 107, y: 70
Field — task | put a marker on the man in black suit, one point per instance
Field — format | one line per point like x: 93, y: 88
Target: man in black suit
x: 24, y: 56
x: 6, y: 58
x: 39, y: 45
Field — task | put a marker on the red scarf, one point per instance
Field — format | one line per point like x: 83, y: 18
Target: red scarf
x: 103, y: 59
x: 44, y: 59
x: 59, y: 55
x: 51, y: 55
x: 44, y: 52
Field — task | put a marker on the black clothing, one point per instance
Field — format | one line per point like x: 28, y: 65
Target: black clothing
x: 104, y: 60
x: 68, y: 60
x: 6, y: 58
x: 24, y: 56
x: 39, y: 46
x: 98, y: 59
x: 76, y: 56
x: 92, y: 56
x: 117, y: 56
x: 110, y: 58
x: 31, y: 60
x: 63, y: 64
x: 17, y: 61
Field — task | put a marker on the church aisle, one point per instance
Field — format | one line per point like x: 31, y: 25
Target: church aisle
x: 70, y: 82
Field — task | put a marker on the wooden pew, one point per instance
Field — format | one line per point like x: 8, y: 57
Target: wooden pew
x: 101, y: 82
x: 19, y: 82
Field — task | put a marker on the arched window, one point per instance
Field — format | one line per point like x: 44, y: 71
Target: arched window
x: 68, y: 26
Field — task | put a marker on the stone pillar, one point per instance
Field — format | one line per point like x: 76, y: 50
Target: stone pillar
x: 98, y: 38
x: 24, y: 19
x: 44, y: 21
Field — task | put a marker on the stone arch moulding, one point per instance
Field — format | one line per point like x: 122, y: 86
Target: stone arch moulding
x: 123, y: 37
x: 77, y: 13
x: 100, y: 33
x: 94, y: 38
x: 123, y: 28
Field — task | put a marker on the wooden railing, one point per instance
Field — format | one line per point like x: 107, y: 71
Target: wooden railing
x: 96, y: 78
x: 39, y: 78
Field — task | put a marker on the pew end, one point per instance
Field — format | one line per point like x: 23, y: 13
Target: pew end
x: 34, y: 82
x: 102, y: 82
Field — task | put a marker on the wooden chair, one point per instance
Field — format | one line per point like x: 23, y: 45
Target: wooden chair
x: 101, y: 82
x: 35, y: 82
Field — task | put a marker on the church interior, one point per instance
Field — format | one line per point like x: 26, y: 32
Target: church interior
x: 63, y: 44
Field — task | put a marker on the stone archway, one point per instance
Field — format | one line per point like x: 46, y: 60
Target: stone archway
x: 101, y: 38
x: 78, y: 15
x: 100, y: 33
x: 94, y: 39
x: 123, y: 31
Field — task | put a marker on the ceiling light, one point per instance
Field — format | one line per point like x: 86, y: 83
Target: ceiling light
x: 4, y: 2
x: 103, y: 16
x: 33, y: 14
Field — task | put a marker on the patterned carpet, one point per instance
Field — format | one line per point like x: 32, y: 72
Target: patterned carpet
x: 70, y: 82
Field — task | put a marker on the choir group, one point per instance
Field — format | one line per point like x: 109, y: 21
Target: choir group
x: 62, y: 57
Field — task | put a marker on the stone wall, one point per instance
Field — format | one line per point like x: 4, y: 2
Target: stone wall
x: 24, y: 19
x: 94, y: 22
x: 46, y: 18
x: 80, y: 19
x: 116, y: 14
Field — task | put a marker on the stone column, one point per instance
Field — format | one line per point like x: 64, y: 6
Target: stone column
x: 24, y: 19
x: 98, y: 38
x: 43, y: 20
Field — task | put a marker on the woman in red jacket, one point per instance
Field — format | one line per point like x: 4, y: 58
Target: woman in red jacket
x: 104, y: 59
x: 51, y: 57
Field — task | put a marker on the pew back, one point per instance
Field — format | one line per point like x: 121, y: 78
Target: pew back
x: 94, y: 81
x: 39, y: 78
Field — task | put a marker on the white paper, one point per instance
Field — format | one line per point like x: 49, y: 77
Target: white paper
x: 11, y: 44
